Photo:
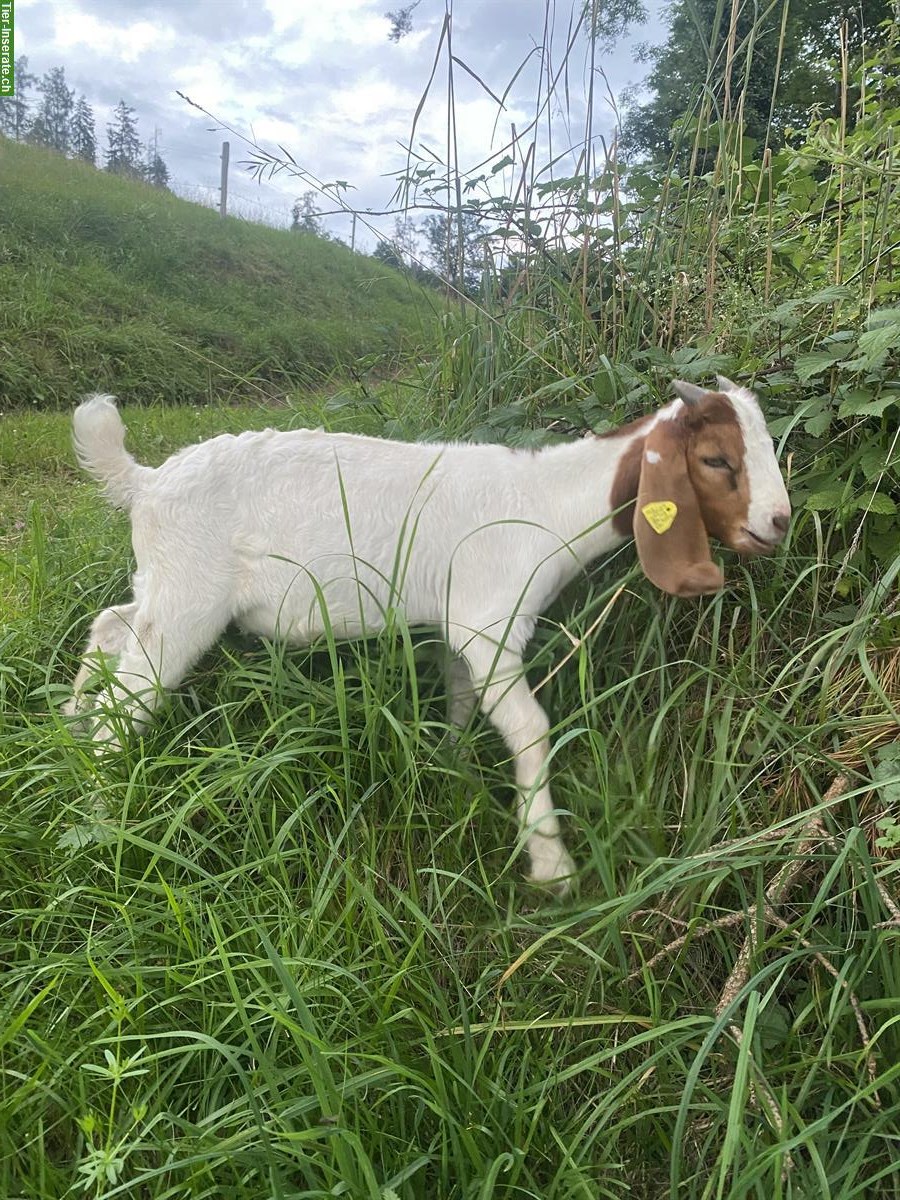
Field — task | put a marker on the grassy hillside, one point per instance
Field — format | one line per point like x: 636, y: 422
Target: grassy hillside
x: 109, y: 283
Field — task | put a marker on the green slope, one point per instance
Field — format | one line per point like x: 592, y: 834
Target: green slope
x: 107, y: 283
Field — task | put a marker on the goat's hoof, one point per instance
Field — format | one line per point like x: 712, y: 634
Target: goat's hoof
x: 551, y: 865
x: 76, y: 719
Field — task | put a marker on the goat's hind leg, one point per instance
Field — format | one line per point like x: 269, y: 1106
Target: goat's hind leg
x: 462, y: 699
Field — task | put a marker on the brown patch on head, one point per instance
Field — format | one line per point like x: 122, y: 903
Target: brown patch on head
x: 625, y: 487
x: 690, y: 461
x: 712, y: 445
x: 722, y: 490
x: 714, y: 409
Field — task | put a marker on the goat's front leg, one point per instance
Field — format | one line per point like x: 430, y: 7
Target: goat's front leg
x: 506, y: 698
x: 164, y: 641
x: 462, y: 698
x: 108, y: 638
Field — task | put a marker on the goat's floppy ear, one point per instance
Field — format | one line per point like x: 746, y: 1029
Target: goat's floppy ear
x: 668, y: 530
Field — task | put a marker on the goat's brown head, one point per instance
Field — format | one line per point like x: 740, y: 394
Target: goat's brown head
x: 704, y: 467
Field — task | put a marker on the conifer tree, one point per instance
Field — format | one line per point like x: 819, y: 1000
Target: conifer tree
x: 305, y: 217
x: 157, y: 173
x: 460, y: 266
x: 83, y: 140
x: 123, y: 156
x: 15, y: 110
x: 51, y: 124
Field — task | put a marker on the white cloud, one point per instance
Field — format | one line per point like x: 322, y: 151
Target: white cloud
x: 319, y: 77
x: 126, y: 42
x: 309, y: 31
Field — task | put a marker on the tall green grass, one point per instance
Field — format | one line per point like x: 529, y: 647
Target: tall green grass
x: 604, y: 278
x: 298, y: 958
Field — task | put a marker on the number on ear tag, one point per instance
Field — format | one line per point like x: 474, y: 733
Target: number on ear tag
x: 660, y: 514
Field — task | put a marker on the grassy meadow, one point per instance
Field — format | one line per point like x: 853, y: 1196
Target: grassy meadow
x: 296, y: 956
x: 299, y: 959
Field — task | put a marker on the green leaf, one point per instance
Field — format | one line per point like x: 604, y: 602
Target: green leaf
x: 818, y: 424
x: 695, y: 365
x: 891, y: 840
x: 79, y: 836
x: 861, y: 403
x: 874, y: 344
x: 886, y: 778
x: 807, y: 366
x: 780, y: 425
x: 774, y: 1025
x: 884, y: 540
x: 655, y: 356
x: 507, y: 416
x: 559, y: 387
x: 873, y: 461
x: 879, y: 503
x: 883, y: 316
x: 827, y: 500
x: 826, y: 296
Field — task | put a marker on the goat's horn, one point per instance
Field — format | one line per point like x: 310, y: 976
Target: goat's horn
x: 689, y: 392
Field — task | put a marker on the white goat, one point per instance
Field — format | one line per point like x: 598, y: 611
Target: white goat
x: 264, y: 528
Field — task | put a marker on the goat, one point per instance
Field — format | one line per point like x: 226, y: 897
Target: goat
x: 270, y: 529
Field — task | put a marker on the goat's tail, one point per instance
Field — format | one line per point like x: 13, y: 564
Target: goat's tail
x: 99, y: 437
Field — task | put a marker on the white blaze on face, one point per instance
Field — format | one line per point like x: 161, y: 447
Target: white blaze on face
x: 768, y: 495
x: 653, y: 456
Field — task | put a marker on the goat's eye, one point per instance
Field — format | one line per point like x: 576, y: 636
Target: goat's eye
x: 721, y: 464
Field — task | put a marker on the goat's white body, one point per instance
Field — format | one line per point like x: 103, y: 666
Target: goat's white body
x: 287, y: 534
x: 296, y: 528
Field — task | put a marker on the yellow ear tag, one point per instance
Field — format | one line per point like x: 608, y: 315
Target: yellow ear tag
x: 660, y: 514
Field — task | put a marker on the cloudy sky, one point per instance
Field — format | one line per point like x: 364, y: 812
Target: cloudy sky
x: 321, y: 79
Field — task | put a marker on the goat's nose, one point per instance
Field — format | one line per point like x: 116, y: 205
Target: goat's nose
x: 782, y: 520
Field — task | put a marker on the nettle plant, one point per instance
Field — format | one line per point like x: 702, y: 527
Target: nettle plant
x: 842, y: 341
x: 850, y: 414
x: 796, y: 287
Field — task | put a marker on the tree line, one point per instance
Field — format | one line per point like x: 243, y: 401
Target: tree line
x: 767, y: 69
x: 416, y: 244
x: 775, y: 67
x: 44, y: 112
x: 455, y: 249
